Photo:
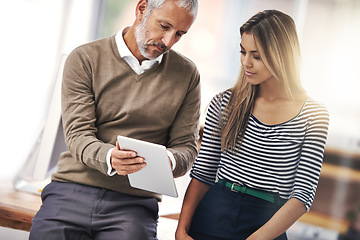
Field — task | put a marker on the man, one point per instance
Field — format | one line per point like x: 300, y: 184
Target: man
x: 130, y: 84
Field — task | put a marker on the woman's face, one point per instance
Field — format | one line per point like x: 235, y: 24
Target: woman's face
x: 255, y: 70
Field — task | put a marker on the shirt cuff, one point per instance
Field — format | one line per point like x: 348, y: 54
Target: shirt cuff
x: 172, y: 158
x: 110, y: 171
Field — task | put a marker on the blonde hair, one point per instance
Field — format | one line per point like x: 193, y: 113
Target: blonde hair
x: 278, y: 46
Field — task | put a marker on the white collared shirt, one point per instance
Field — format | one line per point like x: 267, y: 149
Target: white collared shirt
x: 126, y: 54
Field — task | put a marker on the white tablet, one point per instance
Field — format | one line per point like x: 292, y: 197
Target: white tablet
x: 157, y: 176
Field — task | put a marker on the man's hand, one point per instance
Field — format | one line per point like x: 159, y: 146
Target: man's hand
x: 125, y: 161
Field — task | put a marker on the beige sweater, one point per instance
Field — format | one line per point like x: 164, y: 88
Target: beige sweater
x: 102, y: 97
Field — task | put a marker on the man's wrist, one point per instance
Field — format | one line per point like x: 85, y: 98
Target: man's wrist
x: 172, y: 159
x: 110, y: 171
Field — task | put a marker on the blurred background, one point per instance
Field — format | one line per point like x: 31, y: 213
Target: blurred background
x: 35, y: 33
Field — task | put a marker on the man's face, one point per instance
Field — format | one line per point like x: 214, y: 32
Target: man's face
x: 161, y: 28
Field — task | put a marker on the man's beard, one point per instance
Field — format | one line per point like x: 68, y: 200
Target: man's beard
x: 141, y: 35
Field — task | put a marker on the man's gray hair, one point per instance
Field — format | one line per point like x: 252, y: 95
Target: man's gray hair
x: 190, y: 5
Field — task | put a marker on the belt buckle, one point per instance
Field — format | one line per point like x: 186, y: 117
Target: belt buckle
x: 233, y: 187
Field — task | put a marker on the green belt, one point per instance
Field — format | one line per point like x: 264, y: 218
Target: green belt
x: 245, y: 190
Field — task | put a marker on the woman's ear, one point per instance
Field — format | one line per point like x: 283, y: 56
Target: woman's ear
x: 140, y: 10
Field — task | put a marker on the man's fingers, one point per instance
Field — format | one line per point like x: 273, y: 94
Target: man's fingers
x: 126, y: 161
x: 129, y: 168
x: 125, y: 154
x: 122, y: 153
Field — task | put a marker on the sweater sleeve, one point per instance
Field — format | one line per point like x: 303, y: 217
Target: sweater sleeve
x: 78, y: 113
x: 184, y: 132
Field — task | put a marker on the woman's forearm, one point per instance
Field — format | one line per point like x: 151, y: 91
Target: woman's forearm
x: 282, y: 220
x: 194, y: 193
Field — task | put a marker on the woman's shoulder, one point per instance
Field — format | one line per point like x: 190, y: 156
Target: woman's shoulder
x: 311, y: 103
x: 219, y: 101
x: 315, y: 108
x: 223, y: 96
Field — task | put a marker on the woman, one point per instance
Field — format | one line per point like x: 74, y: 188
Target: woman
x: 263, y: 143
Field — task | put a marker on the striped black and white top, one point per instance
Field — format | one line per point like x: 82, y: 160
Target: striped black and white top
x: 285, y: 158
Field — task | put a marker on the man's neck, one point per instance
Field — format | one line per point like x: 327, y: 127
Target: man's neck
x: 130, y: 41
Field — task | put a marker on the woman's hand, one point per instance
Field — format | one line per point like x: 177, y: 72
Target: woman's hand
x: 182, y: 235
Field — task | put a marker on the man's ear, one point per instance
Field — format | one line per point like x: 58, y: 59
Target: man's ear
x: 141, y: 9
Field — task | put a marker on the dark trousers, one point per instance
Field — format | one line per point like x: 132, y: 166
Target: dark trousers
x: 227, y: 215
x: 74, y: 211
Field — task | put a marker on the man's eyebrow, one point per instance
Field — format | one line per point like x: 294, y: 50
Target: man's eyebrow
x: 180, y: 31
x: 254, y: 51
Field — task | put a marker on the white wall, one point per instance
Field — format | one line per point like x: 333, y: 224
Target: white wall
x: 33, y: 35
x: 11, y: 234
